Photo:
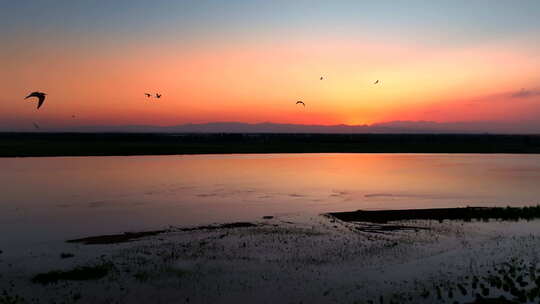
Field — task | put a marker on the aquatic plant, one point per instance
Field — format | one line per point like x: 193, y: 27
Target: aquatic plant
x: 81, y: 273
x: 514, y: 281
x: 66, y: 255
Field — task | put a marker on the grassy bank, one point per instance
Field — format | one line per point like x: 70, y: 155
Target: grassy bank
x: 102, y: 144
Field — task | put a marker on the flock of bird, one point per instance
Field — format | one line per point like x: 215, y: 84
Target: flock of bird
x: 148, y: 95
x: 299, y: 102
x: 41, y: 98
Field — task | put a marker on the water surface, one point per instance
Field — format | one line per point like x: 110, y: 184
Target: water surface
x: 44, y: 199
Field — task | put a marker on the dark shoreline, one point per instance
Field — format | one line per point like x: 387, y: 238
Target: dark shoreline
x: 441, y: 214
x: 125, y: 144
x: 130, y: 236
x: 374, y: 217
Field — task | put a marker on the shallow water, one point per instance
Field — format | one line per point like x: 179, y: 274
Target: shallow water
x: 44, y: 199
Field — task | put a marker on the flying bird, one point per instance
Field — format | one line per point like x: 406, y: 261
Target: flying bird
x: 376, y: 81
x: 158, y: 95
x: 148, y: 95
x: 301, y: 102
x: 39, y: 95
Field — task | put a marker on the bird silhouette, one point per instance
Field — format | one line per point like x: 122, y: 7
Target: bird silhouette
x: 148, y: 95
x: 376, y: 81
x: 301, y: 102
x: 158, y: 95
x: 39, y: 95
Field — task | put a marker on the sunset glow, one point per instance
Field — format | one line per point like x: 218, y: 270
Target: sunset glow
x: 250, y: 61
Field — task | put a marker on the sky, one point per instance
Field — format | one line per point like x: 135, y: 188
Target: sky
x: 250, y: 61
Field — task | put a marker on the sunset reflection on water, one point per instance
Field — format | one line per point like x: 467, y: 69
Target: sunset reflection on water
x: 62, y: 197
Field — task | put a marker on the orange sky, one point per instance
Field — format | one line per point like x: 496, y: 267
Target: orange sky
x: 255, y: 83
x: 258, y: 80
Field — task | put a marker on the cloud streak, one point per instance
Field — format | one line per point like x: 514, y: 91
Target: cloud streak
x: 524, y: 93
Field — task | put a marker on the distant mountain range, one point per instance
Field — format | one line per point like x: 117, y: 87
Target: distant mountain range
x: 268, y: 127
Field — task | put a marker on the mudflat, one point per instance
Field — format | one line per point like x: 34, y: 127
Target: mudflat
x: 291, y: 258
